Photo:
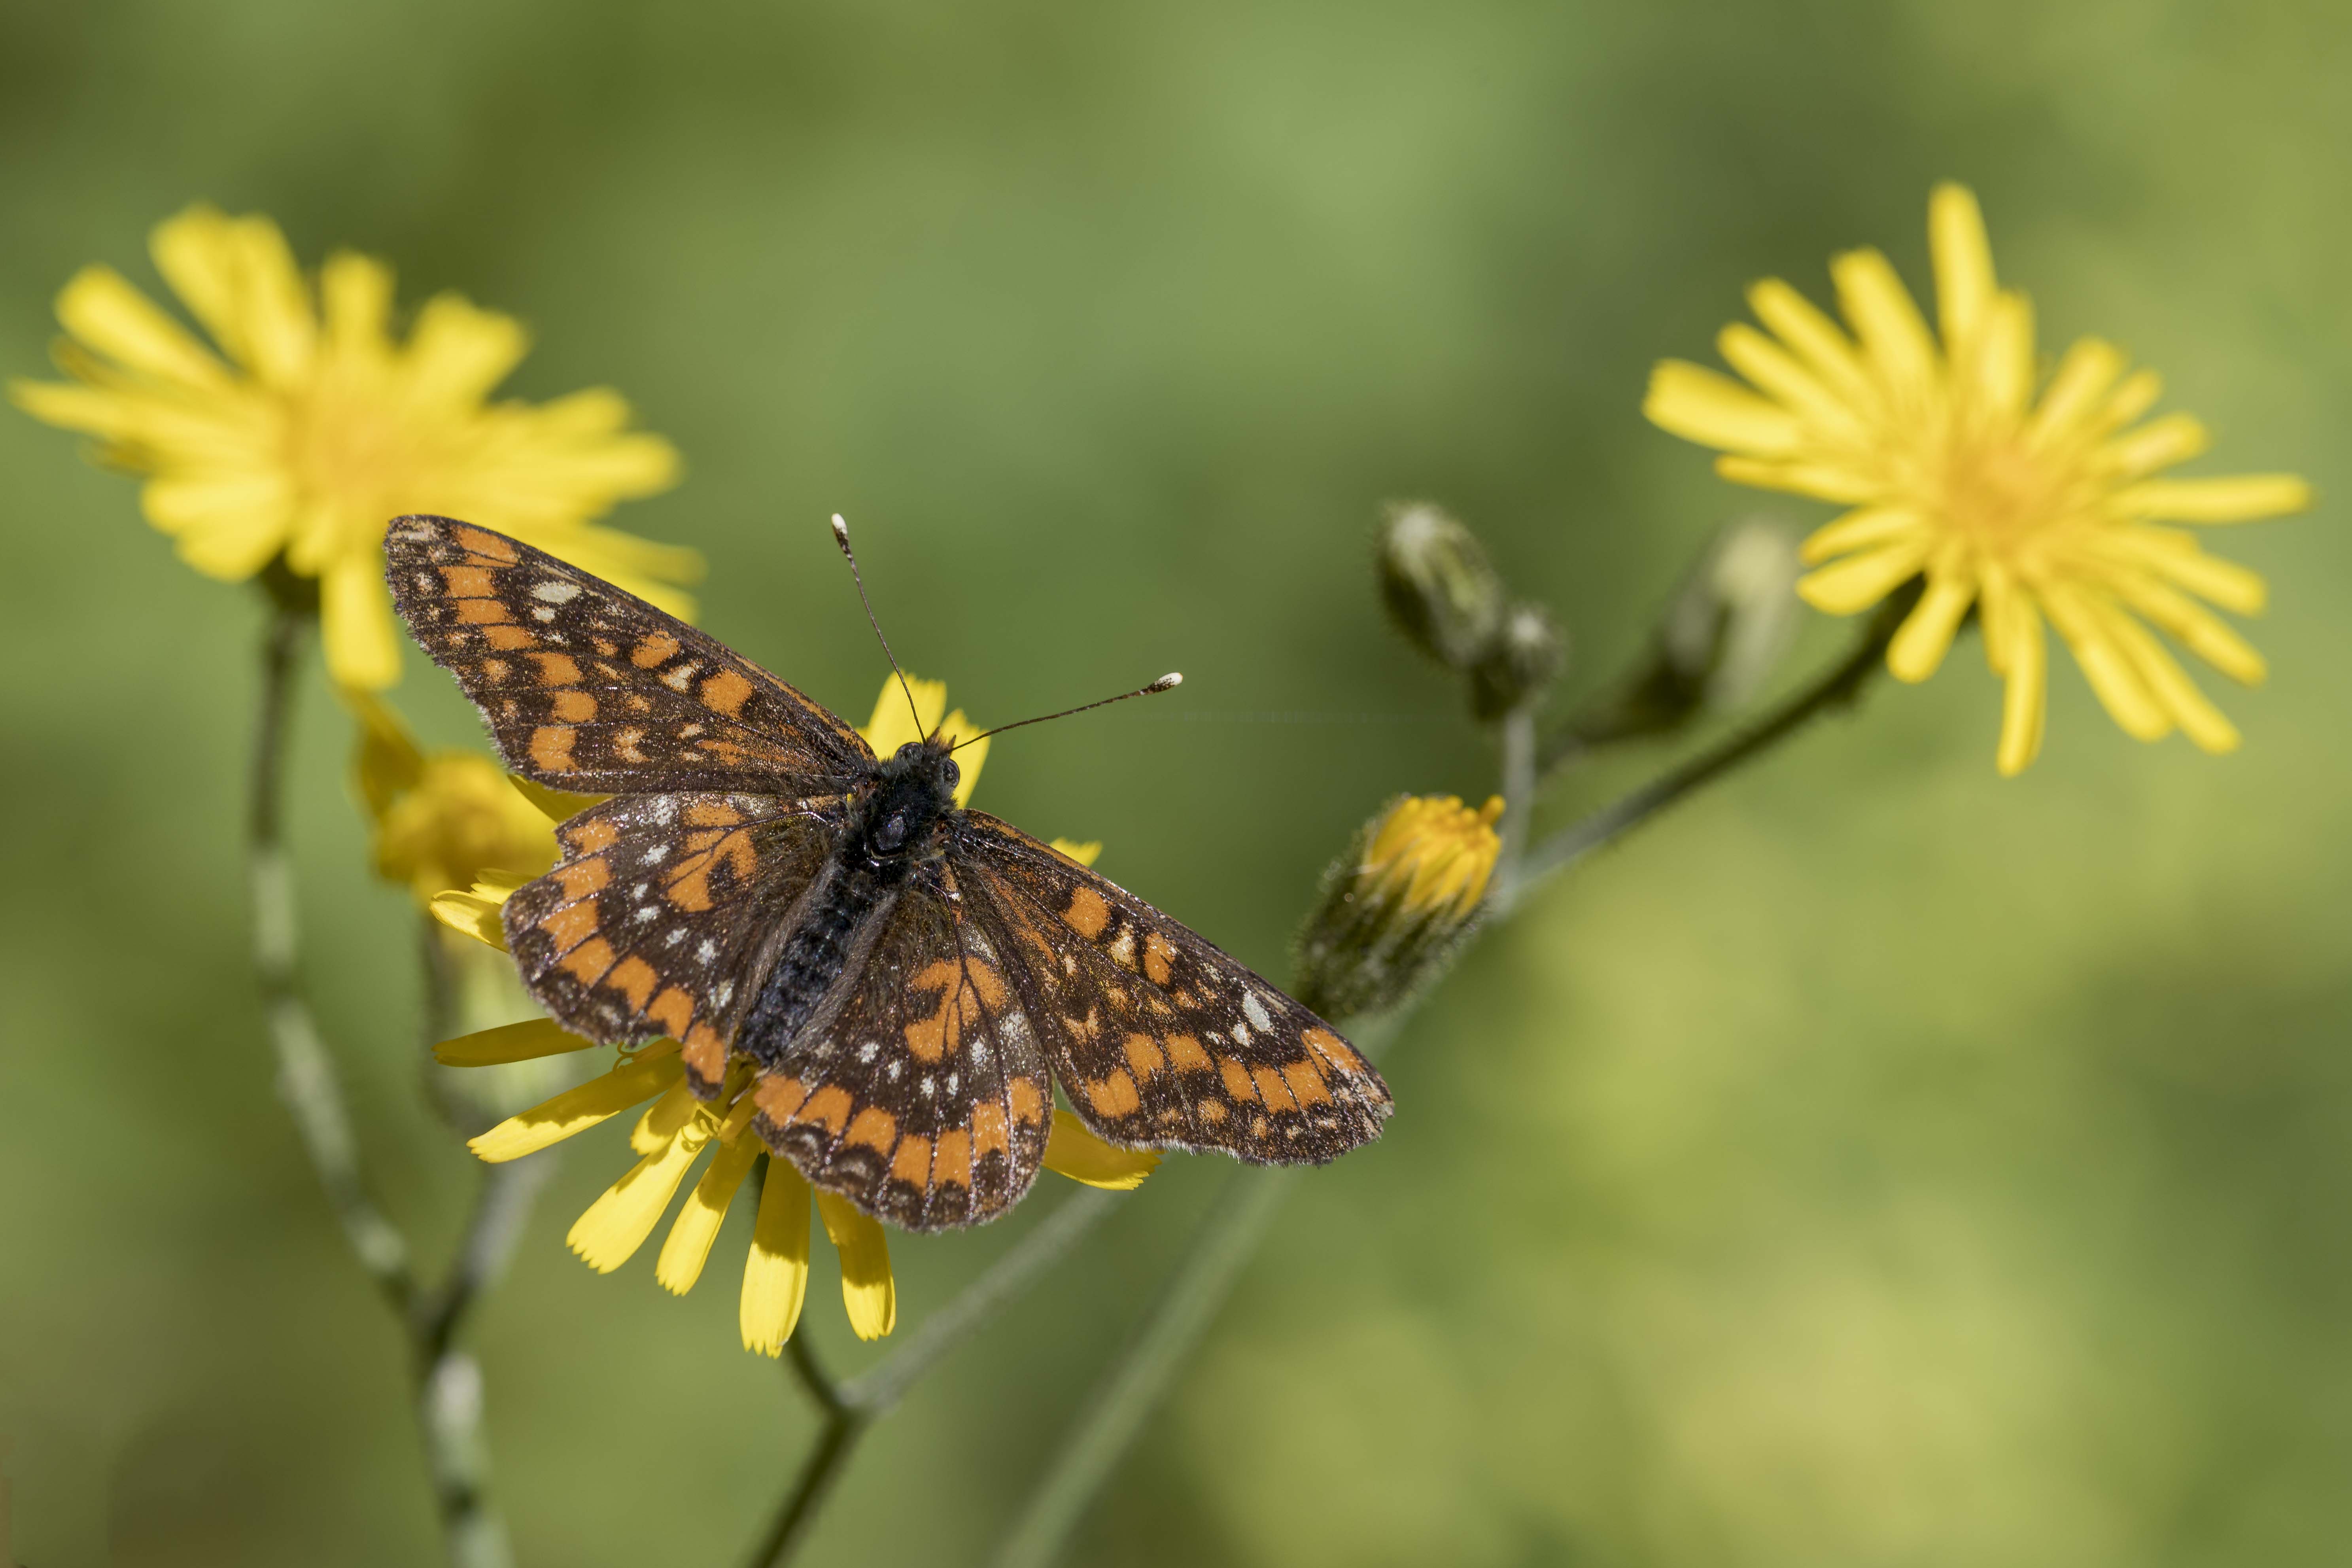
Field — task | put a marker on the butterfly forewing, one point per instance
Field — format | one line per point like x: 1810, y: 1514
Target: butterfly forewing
x: 591, y: 688
x: 1159, y: 1037
x: 918, y: 1093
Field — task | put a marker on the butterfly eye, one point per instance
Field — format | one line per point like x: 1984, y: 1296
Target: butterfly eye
x: 952, y: 773
x: 911, y: 748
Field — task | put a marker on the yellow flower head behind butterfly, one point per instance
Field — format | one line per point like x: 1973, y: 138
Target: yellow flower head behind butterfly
x: 2017, y: 497
x: 304, y: 424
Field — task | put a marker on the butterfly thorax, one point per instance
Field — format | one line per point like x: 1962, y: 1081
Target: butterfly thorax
x: 897, y: 827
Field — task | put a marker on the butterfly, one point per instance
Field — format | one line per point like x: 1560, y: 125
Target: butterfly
x: 906, y: 979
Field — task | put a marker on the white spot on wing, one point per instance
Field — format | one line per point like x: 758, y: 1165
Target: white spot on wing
x: 555, y: 593
x: 1256, y: 1011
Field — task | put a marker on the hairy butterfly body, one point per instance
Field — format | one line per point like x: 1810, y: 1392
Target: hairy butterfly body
x: 904, y: 980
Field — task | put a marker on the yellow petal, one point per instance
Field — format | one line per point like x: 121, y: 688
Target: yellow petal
x: 1893, y: 338
x: 555, y: 805
x: 1776, y: 371
x: 617, y: 1224
x: 1963, y: 263
x: 971, y: 751
x: 868, y: 1291
x: 2170, y: 684
x: 1821, y: 480
x: 1861, y: 581
x: 2159, y: 444
x: 687, y: 1246
x: 2024, y: 658
x: 2134, y: 397
x: 896, y: 722
x: 1927, y: 633
x: 2242, y: 498
x: 355, y: 299
x: 2002, y: 359
x: 1073, y: 1151
x: 1698, y: 404
x: 1856, y: 530
x: 1084, y: 853
x: 471, y: 915
x: 641, y: 1078
x: 1816, y: 339
x: 525, y: 1041
x: 663, y: 1118
x: 355, y: 623
x: 2082, y: 377
x: 102, y: 309
x: 389, y: 762
x: 457, y: 353
x: 2112, y: 677
x: 196, y: 252
x: 2176, y: 556
x: 278, y: 330
x: 228, y: 525
x: 775, y: 1275
x: 2200, y: 631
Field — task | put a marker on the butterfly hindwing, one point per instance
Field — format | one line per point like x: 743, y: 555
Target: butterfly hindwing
x: 591, y: 688
x: 917, y: 1091
x: 1161, y: 1038
x: 657, y: 911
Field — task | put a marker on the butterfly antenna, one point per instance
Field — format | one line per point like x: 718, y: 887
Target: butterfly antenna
x: 841, y: 537
x: 1168, y: 682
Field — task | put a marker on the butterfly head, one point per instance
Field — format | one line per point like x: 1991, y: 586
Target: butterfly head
x: 909, y: 799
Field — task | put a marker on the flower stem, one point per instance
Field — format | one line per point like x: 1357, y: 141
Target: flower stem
x: 850, y: 1406
x: 1234, y: 1227
x: 448, y: 1383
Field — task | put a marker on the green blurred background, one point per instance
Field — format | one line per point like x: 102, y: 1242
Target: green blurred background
x: 1876, y: 1162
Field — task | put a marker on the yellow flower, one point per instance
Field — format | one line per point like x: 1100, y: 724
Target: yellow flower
x: 443, y: 818
x: 2020, y: 504
x: 1396, y: 906
x: 311, y: 427
x: 677, y: 1128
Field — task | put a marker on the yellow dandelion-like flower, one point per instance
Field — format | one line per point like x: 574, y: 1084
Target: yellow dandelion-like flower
x: 677, y: 1128
x: 310, y: 426
x: 2016, y: 496
x: 441, y: 819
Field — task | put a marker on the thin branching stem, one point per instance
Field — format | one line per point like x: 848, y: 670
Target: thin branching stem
x: 448, y: 1382
x: 1109, y: 1420
x: 849, y: 1406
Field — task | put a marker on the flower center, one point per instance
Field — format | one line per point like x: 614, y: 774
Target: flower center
x: 357, y: 460
x: 1998, y: 493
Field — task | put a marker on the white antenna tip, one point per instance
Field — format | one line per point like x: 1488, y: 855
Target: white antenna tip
x: 1168, y: 682
x: 840, y: 531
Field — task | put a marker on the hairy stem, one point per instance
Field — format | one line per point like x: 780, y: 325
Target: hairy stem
x: 845, y: 1424
x: 448, y: 1383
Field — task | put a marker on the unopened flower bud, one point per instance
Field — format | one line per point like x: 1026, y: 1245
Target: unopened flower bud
x: 1397, y: 905
x: 1725, y: 629
x: 1439, y: 585
x: 1527, y: 658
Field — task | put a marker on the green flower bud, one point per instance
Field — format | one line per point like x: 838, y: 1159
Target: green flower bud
x: 1723, y: 632
x: 1396, y: 906
x: 1439, y: 585
x: 1526, y: 656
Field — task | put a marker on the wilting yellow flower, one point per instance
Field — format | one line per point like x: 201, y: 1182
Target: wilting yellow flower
x: 1396, y: 906
x: 311, y: 426
x: 2016, y: 504
x: 441, y: 818
x: 674, y: 1130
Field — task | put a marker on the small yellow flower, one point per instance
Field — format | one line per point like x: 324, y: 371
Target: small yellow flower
x: 2017, y: 504
x: 1396, y: 906
x: 443, y: 818
x: 673, y: 1132
x: 311, y: 426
